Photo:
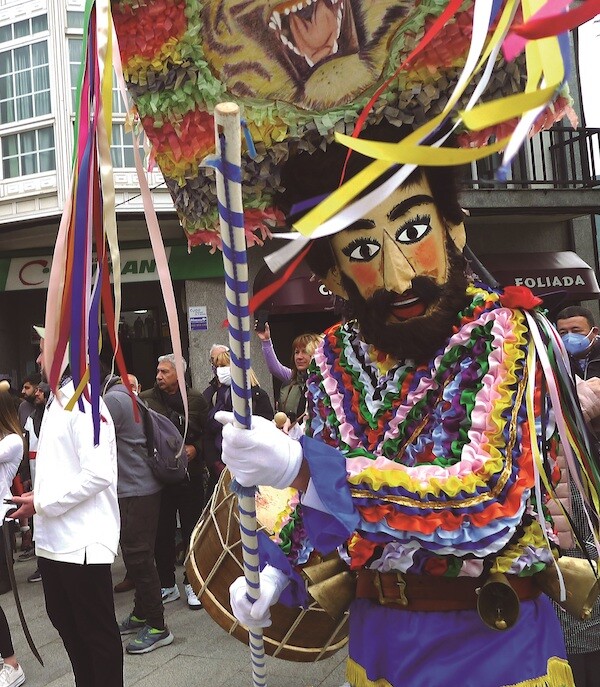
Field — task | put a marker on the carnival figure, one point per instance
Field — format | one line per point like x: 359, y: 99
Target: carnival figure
x: 428, y: 430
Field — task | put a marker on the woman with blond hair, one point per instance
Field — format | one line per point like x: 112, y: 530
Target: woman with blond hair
x: 11, y: 454
x: 292, y: 399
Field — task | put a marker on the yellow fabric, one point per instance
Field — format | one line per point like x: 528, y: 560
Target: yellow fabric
x: 559, y: 675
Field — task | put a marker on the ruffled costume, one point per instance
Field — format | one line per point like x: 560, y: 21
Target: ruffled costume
x: 428, y: 469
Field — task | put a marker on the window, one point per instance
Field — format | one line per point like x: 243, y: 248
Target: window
x: 75, y: 57
x: 24, y: 82
x: 26, y: 27
x: 28, y: 152
x: 75, y: 20
x: 121, y: 150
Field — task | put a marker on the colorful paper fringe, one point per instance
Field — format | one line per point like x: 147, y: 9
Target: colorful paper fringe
x: 175, y: 88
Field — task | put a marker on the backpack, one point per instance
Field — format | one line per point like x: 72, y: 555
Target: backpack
x: 166, y: 454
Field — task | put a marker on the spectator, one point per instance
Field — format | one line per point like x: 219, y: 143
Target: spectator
x: 292, y: 397
x: 30, y: 384
x: 32, y: 431
x: 186, y: 498
x: 582, y: 637
x: 127, y: 584
x: 11, y: 452
x: 576, y: 326
x: 139, y: 504
x: 213, y: 385
x: 77, y: 533
x: 221, y: 400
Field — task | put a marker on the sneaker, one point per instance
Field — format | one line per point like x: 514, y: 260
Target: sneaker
x: 35, y: 576
x: 193, y: 601
x: 11, y: 677
x: 169, y: 594
x: 148, y: 639
x: 26, y: 555
x: 131, y: 625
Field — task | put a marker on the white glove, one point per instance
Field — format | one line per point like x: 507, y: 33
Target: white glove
x: 257, y: 614
x: 262, y: 455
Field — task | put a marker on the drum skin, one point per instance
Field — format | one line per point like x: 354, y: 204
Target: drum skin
x: 215, y: 561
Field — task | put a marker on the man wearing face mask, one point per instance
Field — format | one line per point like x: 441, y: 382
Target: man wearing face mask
x: 579, y: 333
x: 186, y: 498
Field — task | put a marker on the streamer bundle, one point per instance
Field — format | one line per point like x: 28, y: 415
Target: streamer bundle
x: 80, y: 290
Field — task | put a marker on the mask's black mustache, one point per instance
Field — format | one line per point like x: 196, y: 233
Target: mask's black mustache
x: 423, y: 288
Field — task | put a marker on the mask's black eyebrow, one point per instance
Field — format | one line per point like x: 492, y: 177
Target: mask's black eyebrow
x: 361, y: 225
x: 403, y: 207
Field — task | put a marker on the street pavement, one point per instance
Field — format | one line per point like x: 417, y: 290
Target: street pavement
x: 202, y: 655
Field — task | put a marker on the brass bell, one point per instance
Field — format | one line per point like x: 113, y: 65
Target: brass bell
x: 498, y: 603
x: 581, y: 583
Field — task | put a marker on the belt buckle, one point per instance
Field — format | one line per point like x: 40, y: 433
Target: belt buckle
x: 384, y: 600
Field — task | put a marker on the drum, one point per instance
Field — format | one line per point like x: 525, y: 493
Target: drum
x: 215, y: 561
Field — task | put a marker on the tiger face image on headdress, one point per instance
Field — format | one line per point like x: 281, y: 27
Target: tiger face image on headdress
x: 314, y: 54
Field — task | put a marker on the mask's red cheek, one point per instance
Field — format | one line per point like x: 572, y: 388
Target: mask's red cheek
x: 365, y: 275
x: 430, y: 257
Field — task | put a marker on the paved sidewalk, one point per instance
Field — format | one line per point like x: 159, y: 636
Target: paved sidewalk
x: 202, y: 654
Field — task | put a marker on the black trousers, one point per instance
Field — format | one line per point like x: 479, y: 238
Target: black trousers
x: 586, y: 668
x: 186, y: 498
x: 6, y: 645
x: 139, y: 520
x: 80, y: 605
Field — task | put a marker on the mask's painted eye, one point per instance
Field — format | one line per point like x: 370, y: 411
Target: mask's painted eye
x: 414, y: 230
x: 362, y: 250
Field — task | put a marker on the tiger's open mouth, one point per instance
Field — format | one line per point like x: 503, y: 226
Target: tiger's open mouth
x: 314, y: 30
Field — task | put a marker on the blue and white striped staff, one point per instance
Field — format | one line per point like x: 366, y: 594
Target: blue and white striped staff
x: 231, y: 216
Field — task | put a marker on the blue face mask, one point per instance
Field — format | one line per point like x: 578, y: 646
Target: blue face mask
x: 576, y: 344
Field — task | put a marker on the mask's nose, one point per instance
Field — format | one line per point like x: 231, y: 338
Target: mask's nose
x: 398, y: 273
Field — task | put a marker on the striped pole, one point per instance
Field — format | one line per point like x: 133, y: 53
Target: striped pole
x: 231, y: 217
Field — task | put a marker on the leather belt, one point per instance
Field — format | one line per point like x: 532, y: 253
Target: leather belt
x: 429, y: 593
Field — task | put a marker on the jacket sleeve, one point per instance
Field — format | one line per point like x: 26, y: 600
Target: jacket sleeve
x: 275, y: 367
x: 198, y: 412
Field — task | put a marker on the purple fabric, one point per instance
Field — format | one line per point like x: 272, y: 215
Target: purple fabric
x: 327, y: 531
x: 295, y: 593
x: 275, y: 367
x: 411, y: 649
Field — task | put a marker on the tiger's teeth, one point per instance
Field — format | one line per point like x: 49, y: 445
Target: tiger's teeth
x: 334, y: 48
x: 276, y: 18
x: 309, y: 62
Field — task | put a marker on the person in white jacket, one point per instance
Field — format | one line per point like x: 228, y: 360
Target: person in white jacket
x: 77, y: 533
x: 11, y: 453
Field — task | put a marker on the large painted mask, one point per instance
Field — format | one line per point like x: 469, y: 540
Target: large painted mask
x: 401, y: 270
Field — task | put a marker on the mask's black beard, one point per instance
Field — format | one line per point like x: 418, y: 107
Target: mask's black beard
x: 419, y: 337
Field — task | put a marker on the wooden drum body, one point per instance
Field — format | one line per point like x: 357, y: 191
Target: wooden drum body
x: 215, y: 561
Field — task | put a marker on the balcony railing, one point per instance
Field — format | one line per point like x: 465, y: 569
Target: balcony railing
x: 559, y: 158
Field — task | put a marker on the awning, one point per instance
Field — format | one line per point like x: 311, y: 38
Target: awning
x: 562, y: 273
x: 301, y: 293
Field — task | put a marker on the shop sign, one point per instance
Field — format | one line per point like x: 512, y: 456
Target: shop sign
x: 137, y: 265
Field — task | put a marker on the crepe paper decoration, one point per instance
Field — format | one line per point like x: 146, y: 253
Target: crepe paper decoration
x: 546, y: 65
x: 229, y: 175
x: 78, y: 295
x: 182, y: 57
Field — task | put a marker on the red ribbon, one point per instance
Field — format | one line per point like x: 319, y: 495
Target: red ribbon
x: 558, y: 23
